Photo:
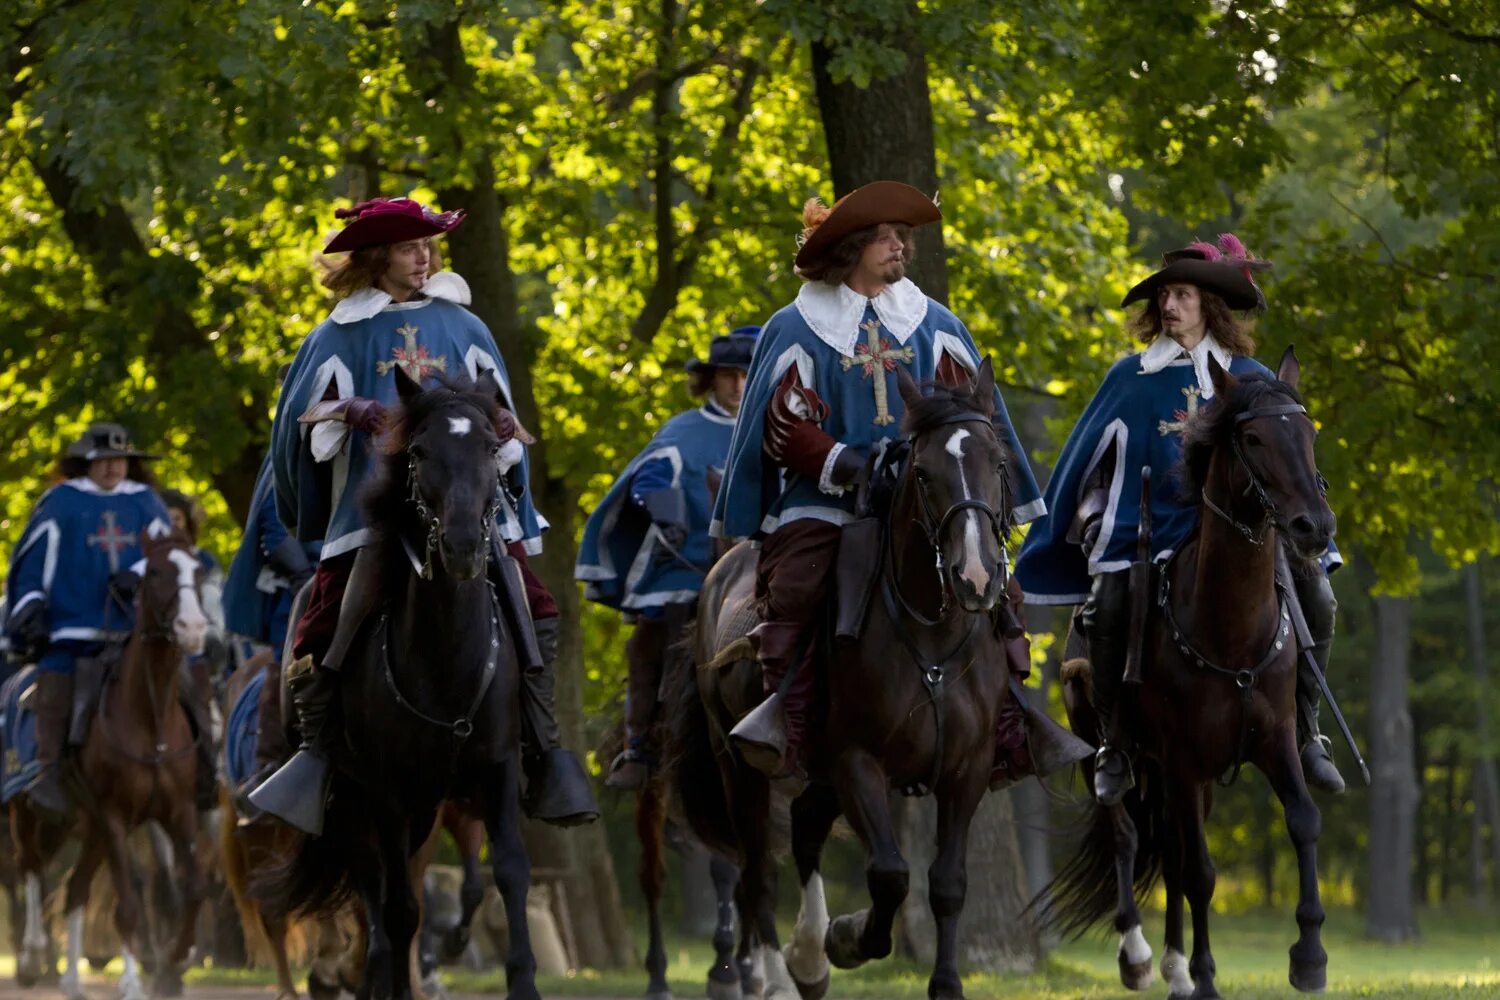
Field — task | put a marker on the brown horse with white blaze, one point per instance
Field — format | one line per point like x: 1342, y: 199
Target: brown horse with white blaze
x: 1218, y: 688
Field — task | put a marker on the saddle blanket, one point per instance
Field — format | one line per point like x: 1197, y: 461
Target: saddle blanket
x: 241, y: 732
x: 18, y: 734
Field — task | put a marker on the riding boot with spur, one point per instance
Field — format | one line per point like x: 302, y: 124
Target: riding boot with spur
x: 644, y: 652
x: 557, y: 787
x: 298, y: 792
x: 770, y: 738
x: 53, y: 708
x: 1319, y: 607
x: 1106, y: 622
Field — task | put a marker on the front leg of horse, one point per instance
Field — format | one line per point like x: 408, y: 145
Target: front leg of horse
x: 31, y: 960
x: 650, y: 824
x: 724, y: 975
x: 378, y: 982
x: 402, y: 915
x: 948, y: 877
x: 512, y: 870
x: 1174, y: 963
x: 77, y: 899
x: 1198, y: 881
x: 813, y: 816
x: 855, y: 938
x: 1134, y: 955
x: 191, y: 883
x: 1309, y: 962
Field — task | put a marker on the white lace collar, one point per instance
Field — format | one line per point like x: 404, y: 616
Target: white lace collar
x: 369, y: 302
x: 1165, y: 351
x: 84, y: 484
x: 834, y: 312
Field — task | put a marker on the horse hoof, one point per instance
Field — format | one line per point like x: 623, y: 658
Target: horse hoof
x: 1174, y: 970
x: 812, y: 991
x: 319, y: 988
x: 433, y: 988
x: 1134, y: 957
x: 28, y: 969
x: 1309, y: 977
x: 1207, y: 991
x: 659, y: 995
x: 723, y: 991
x: 841, y: 943
x: 98, y: 962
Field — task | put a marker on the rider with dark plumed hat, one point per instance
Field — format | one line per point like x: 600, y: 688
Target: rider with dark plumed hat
x: 71, y: 586
x: 646, y: 546
x: 392, y: 312
x: 1080, y: 553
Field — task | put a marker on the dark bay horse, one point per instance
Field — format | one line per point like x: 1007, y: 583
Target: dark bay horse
x: 428, y: 692
x: 911, y: 704
x: 139, y: 763
x: 1219, y: 680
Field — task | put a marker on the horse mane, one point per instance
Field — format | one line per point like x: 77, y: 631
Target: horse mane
x: 385, y: 495
x: 1212, y: 426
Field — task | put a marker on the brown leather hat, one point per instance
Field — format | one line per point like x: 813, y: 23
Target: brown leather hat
x: 876, y: 202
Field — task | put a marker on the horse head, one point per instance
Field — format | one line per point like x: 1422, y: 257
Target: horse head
x: 170, y: 595
x: 958, y: 473
x: 1262, y: 437
x: 451, y: 444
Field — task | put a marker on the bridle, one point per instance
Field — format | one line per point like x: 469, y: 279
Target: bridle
x: 432, y: 526
x: 933, y: 527
x: 1256, y: 486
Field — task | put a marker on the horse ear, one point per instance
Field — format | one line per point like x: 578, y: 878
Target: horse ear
x: 910, y: 393
x: 1289, y: 369
x: 488, y: 384
x: 407, y: 388
x: 1224, y: 382
x: 983, y: 391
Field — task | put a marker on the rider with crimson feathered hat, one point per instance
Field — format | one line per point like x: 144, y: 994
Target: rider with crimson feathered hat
x: 1080, y: 553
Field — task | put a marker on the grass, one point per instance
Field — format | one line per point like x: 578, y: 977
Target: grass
x: 1458, y: 955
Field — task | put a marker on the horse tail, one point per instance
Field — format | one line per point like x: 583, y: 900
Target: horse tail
x: 236, y: 866
x: 1085, y: 891
x: 319, y: 876
x: 691, y: 764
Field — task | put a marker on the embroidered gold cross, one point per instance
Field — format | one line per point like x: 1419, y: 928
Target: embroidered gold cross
x: 1165, y: 427
x: 876, y: 357
x: 413, y: 358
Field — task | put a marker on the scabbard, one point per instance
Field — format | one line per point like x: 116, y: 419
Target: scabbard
x: 1141, y: 589
x: 855, y: 574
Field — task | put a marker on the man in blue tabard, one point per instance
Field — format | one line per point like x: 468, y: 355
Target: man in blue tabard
x: 393, y: 312
x: 1081, y: 552
x: 822, y: 396
x: 646, y: 546
x: 71, y: 589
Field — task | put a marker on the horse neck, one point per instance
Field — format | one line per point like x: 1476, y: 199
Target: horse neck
x: 914, y: 567
x: 149, y: 672
x: 445, y: 614
x: 1233, y: 579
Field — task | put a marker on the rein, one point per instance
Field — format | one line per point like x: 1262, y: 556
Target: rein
x: 1268, y: 506
x: 432, y: 526
x: 462, y: 727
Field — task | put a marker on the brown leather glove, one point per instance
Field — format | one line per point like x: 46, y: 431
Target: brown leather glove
x: 367, y: 415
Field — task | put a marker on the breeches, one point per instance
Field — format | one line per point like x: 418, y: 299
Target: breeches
x: 795, y: 571
x: 62, y: 656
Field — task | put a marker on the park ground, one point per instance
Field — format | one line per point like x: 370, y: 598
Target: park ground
x: 1457, y: 955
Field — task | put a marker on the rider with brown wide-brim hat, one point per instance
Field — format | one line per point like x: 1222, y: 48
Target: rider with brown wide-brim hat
x: 71, y: 588
x: 1080, y: 553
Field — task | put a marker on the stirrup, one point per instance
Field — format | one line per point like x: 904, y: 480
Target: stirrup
x: 1318, y: 768
x: 1111, y: 783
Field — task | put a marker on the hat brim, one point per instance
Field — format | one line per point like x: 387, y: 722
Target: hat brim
x: 1227, y: 281
x: 95, y: 454
x: 696, y: 365
x: 877, y: 202
x: 390, y: 227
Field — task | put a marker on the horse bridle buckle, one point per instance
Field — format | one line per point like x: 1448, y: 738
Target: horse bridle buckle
x: 462, y: 729
x: 934, y: 675
x: 1245, y: 679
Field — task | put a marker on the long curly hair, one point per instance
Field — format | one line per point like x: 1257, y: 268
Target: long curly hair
x: 840, y: 260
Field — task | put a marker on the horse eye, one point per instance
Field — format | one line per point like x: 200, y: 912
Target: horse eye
x: 921, y: 475
x: 1252, y: 438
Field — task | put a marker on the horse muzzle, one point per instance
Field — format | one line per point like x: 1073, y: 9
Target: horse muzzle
x: 976, y: 587
x: 190, y: 632
x: 1310, y: 532
x: 465, y: 559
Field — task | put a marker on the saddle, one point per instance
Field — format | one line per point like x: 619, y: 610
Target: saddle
x: 90, y: 674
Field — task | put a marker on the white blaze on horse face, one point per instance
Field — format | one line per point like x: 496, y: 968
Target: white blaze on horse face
x: 805, y: 958
x: 972, y: 569
x: 460, y: 426
x: 190, y: 627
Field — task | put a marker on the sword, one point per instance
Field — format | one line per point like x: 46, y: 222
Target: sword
x: 1140, y: 584
x: 1304, y: 649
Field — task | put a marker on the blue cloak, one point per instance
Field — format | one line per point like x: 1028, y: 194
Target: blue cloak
x: 254, y: 593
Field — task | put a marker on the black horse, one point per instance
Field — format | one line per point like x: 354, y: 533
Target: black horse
x: 429, y: 694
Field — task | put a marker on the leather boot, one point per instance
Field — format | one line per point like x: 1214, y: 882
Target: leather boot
x: 1106, y: 622
x: 644, y: 652
x: 1319, y: 606
x: 770, y: 738
x: 298, y: 792
x: 1013, y: 760
x: 557, y: 787
x: 53, y: 707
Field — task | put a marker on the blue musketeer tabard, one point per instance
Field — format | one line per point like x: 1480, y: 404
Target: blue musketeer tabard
x: 1138, y: 414
x: 622, y: 560
x: 355, y: 352
x: 78, y: 537
x: 847, y: 349
x: 253, y: 589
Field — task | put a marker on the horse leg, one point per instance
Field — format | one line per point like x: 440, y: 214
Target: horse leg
x: 948, y: 876
x: 1174, y: 959
x: 191, y: 888
x: 650, y: 828
x: 724, y: 976
x: 76, y: 900
x: 855, y: 938
x: 1309, y: 962
x: 33, y: 958
x: 512, y: 871
x: 813, y: 814
x: 1198, y: 881
x: 468, y: 834
x: 1134, y: 955
x: 751, y: 964
x: 402, y: 913
x: 379, y: 978
x: 752, y: 809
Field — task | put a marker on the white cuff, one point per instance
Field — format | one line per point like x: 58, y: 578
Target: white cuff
x: 825, y: 479
x: 510, y: 455
x: 35, y: 595
x: 328, y: 439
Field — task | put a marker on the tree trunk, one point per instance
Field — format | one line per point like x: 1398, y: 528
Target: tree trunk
x: 1487, y: 786
x: 1393, y: 788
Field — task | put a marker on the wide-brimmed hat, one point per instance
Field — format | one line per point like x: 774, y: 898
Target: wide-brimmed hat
x: 105, y: 441
x: 390, y: 220
x: 877, y: 202
x: 730, y: 350
x: 1224, y: 269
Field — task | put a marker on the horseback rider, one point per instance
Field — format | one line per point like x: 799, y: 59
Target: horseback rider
x: 1081, y: 552
x: 646, y: 546
x: 822, y: 400
x: 71, y: 587
x: 188, y: 518
x: 393, y: 312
